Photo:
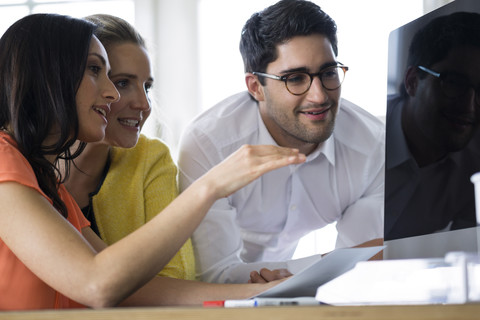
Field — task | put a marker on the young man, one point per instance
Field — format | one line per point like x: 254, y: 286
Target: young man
x: 432, y: 131
x: 293, y: 99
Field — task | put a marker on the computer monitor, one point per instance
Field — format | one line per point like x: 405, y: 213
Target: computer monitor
x: 432, y: 139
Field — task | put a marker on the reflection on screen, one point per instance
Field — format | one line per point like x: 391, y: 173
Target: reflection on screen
x: 433, y: 115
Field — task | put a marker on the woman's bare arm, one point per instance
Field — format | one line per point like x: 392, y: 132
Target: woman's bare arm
x: 59, y: 255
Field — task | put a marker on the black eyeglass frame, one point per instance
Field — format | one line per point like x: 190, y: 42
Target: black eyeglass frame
x: 319, y: 74
x: 441, y: 76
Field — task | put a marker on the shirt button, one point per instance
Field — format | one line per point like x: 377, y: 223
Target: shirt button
x: 293, y: 207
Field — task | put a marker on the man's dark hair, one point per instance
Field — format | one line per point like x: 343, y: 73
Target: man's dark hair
x: 279, y: 23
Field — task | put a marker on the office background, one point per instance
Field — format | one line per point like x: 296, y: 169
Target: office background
x: 194, y: 48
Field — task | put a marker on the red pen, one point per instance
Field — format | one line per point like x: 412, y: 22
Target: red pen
x: 215, y: 303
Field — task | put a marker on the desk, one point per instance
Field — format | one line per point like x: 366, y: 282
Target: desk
x: 428, y: 312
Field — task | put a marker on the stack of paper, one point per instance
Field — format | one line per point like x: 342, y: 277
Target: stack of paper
x: 454, y: 279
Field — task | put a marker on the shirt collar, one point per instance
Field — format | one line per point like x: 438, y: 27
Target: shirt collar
x: 264, y: 136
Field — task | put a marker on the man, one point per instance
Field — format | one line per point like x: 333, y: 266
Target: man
x: 432, y: 148
x: 293, y: 99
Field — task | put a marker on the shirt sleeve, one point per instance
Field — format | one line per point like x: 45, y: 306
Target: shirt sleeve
x: 160, y: 188
x: 217, y: 241
x: 363, y: 220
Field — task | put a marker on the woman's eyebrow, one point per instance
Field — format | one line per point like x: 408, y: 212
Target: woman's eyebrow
x: 128, y: 75
x: 124, y: 74
x: 102, y: 59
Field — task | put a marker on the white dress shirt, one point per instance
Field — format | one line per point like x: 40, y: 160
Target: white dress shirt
x: 260, y: 225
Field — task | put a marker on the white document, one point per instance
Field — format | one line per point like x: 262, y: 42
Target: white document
x: 452, y: 280
x: 332, y: 265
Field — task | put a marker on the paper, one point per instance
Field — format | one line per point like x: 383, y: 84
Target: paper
x: 452, y: 280
x: 306, y: 282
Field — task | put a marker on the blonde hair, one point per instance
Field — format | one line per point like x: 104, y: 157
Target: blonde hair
x: 113, y: 30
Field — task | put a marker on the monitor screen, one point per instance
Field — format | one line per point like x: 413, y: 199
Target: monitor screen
x: 432, y: 136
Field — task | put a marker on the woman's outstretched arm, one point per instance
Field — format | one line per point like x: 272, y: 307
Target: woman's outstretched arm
x: 49, y: 246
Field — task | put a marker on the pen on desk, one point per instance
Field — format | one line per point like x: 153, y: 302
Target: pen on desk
x: 264, y: 302
x: 214, y: 303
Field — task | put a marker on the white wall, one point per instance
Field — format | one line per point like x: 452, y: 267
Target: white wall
x: 170, y: 28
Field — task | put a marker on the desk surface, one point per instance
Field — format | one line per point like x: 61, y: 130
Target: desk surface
x: 428, y: 312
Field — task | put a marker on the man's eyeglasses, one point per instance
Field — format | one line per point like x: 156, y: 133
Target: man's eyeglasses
x: 297, y: 83
x: 453, y: 85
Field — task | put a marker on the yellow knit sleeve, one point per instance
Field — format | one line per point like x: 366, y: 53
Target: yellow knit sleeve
x: 182, y: 265
x: 140, y: 183
x: 160, y: 190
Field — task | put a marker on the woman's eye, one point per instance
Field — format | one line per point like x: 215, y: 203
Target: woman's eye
x: 95, y: 69
x: 121, y: 84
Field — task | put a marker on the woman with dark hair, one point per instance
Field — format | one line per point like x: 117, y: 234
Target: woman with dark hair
x: 54, y: 89
x: 38, y: 92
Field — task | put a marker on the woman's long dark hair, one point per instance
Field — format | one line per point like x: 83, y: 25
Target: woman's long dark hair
x: 42, y: 61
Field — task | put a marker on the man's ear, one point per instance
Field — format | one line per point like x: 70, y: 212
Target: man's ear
x: 411, y: 81
x: 254, y: 86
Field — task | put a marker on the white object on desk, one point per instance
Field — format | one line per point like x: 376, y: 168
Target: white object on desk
x: 411, y: 281
x: 476, y: 182
x: 270, y: 302
x: 305, y: 282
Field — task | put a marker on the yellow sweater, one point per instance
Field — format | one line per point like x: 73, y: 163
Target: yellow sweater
x: 140, y: 182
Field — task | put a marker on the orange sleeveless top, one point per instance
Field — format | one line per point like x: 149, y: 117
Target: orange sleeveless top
x: 20, y: 289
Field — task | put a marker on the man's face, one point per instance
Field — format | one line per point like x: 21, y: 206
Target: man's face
x: 306, y: 120
x: 448, y: 123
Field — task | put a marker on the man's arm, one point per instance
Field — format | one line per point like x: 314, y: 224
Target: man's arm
x: 217, y: 241
x: 362, y: 222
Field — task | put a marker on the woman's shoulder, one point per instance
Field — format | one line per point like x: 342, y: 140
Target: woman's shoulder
x: 147, y: 150
x: 149, y: 143
x: 14, y: 166
x: 13, y: 160
x: 7, y: 141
